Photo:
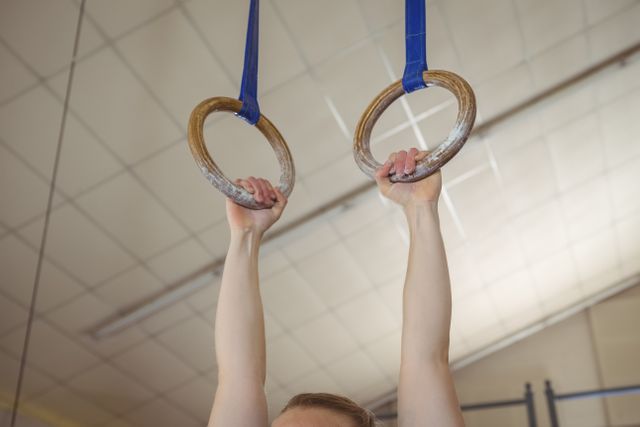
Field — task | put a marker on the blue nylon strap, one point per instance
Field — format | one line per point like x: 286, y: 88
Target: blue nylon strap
x: 250, y: 110
x: 416, y: 45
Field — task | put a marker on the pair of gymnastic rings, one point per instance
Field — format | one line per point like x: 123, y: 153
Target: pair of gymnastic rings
x: 416, y: 76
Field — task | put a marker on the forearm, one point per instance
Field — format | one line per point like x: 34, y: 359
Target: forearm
x: 239, y: 328
x: 427, y: 294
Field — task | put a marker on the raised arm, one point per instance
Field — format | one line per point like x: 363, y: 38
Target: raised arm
x: 426, y: 394
x: 239, y: 331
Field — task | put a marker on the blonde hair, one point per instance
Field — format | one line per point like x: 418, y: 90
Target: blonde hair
x: 340, y: 404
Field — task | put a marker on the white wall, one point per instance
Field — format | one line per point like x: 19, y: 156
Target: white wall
x: 597, y: 348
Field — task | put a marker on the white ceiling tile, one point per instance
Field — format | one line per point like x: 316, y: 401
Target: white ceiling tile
x: 514, y: 294
x: 587, y: 207
x: 272, y: 328
x: 571, y: 104
x: 560, y: 62
x: 83, y: 161
x: 358, y: 213
x: 485, y: 337
x: 617, y: 32
x: 154, y: 366
x: 118, y: 109
x: 542, y: 230
x: 473, y: 313
x: 276, y: 401
x: 596, y: 254
x: 476, y: 26
x: 192, y: 340
x: 307, y: 124
x: 166, y: 317
x: 481, y: 212
x: 224, y: 27
x: 333, y: 274
x: 627, y: 232
x: 71, y: 406
x: 20, y: 202
x: 308, y: 23
x: 514, y: 133
x: 367, y: 317
x: 380, y: 14
x: 271, y: 262
x: 14, y: 76
x: 287, y: 361
x: 386, y: 353
x: 185, y: 190
x: 53, y: 352
x: 86, y: 252
x: 603, y: 280
x: 205, y: 298
x: 576, y: 150
x: 34, y: 382
x: 618, y: 82
x: 290, y: 299
x: 336, y: 178
x: 216, y: 238
x: 555, y: 278
x: 119, y: 16
x: 463, y: 271
x: 355, y: 372
x: 129, y: 288
x: 24, y: 25
x: 325, y: 338
x: 524, y: 191
x: 598, y: 10
x: 308, y: 240
x: 195, y: 397
x: 502, y: 92
x: 12, y: 314
x: 352, y: 80
x: 391, y: 294
x: 161, y: 412
x: 317, y: 382
x: 110, y: 388
x: 183, y: 58
x: 180, y: 261
x: 114, y: 344
x: 81, y: 314
x: 472, y: 157
x: 379, y: 250
x: 624, y: 189
x: 35, y: 144
x: 18, y: 266
x: 546, y: 23
x: 132, y: 215
x: 620, y: 128
x: 498, y: 254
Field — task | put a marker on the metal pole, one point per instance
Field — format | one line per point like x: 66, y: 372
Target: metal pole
x: 551, y: 404
x: 531, y: 410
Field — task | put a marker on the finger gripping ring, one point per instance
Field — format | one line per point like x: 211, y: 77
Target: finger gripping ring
x: 213, y: 173
x: 443, y: 152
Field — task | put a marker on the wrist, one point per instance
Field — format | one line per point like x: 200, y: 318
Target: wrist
x: 421, y: 213
x: 246, y: 235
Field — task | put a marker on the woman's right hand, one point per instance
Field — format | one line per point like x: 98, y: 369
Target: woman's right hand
x: 244, y: 219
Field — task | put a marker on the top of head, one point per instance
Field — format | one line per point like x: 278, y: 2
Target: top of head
x: 323, y: 410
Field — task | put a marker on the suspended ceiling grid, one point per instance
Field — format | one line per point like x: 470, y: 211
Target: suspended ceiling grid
x: 537, y: 213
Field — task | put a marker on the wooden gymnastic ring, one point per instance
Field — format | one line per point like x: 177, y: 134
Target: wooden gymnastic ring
x: 438, y: 156
x: 211, y: 171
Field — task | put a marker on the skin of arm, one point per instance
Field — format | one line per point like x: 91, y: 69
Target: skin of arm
x: 240, y: 400
x: 426, y: 393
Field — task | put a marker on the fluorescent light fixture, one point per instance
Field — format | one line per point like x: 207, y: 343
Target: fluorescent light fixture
x: 165, y: 299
